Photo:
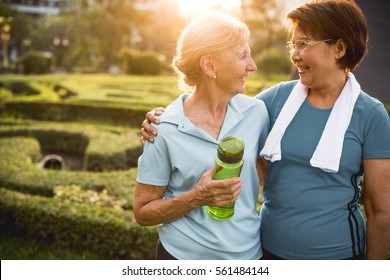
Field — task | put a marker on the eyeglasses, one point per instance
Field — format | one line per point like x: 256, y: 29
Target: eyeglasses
x: 301, y: 45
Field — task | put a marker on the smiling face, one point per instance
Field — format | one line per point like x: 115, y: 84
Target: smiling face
x: 214, y: 44
x: 317, y: 64
x: 232, y: 66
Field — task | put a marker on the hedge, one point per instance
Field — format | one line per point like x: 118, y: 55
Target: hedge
x: 140, y: 62
x: 18, y: 88
x: 37, y: 62
x: 69, y: 221
x: 19, y: 171
x: 66, y: 112
x: 107, y: 232
x: 102, y: 150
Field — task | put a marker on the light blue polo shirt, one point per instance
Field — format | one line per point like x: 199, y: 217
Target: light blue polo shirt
x: 179, y: 156
x: 308, y: 213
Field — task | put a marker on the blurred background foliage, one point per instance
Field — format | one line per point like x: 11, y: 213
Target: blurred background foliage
x: 95, y: 39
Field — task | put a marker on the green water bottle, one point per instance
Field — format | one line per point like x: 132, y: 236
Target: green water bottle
x: 228, y: 164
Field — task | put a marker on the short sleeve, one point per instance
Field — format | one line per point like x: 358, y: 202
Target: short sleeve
x: 265, y: 126
x: 377, y: 134
x: 154, y: 166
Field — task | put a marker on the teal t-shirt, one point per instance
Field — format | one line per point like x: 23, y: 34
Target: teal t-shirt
x: 181, y: 154
x: 308, y: 213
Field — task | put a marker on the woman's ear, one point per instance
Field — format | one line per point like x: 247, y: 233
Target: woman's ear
x: 208, y: 66
x: 341, y: 48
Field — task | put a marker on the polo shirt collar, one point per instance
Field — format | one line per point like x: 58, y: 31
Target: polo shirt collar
x: 174, y: 114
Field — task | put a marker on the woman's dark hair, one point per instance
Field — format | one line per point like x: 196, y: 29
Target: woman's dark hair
x: 334, y: 19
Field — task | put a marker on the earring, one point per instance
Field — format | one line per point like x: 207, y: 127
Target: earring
x: 214, y: 77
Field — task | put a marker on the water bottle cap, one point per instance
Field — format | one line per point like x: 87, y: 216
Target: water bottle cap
x: 231, y: 149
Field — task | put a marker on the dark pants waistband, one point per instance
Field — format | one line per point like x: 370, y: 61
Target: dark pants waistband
x: 162, y: 253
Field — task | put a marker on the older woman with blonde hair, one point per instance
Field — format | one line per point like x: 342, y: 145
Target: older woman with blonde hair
x: 174, y: 180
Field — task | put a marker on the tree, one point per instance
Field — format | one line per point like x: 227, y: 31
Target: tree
x: 21, y: 27
x: 264, y: 20
x: 95, y: 36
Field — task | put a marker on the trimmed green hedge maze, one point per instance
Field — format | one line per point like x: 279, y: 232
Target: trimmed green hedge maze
x: 86, y: 209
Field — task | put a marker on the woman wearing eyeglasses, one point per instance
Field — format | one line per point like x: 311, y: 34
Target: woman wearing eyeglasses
x: 327, y: 134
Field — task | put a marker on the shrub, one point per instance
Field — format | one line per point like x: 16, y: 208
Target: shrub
x: 102, y: 150
x: 63, y: 92
x: 50, y: 137
x: 47, y: 111
x: 5, y: 95
x: 107, y: 152
x: 74, y: 193
x: 19, y: 88
x: 109, y: 233
x: 19, y: 157
x: 273, y: 61
x: 74, y: 210
x: 140, y: 62
x: 37, y: 62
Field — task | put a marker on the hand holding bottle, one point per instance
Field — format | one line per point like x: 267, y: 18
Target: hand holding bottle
x: 216, y: 192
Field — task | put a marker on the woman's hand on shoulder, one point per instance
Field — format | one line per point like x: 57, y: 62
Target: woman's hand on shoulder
x: 147, y: 131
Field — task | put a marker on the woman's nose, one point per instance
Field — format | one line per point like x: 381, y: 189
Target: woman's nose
x: 252, y: 65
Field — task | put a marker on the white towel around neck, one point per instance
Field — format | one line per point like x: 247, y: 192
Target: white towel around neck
x: 329, y: 148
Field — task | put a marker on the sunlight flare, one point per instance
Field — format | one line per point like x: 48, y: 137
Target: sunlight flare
x: 191, y: 8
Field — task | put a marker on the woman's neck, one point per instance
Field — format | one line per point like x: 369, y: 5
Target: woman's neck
x: 207, y: 111
x: 325, y: 97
